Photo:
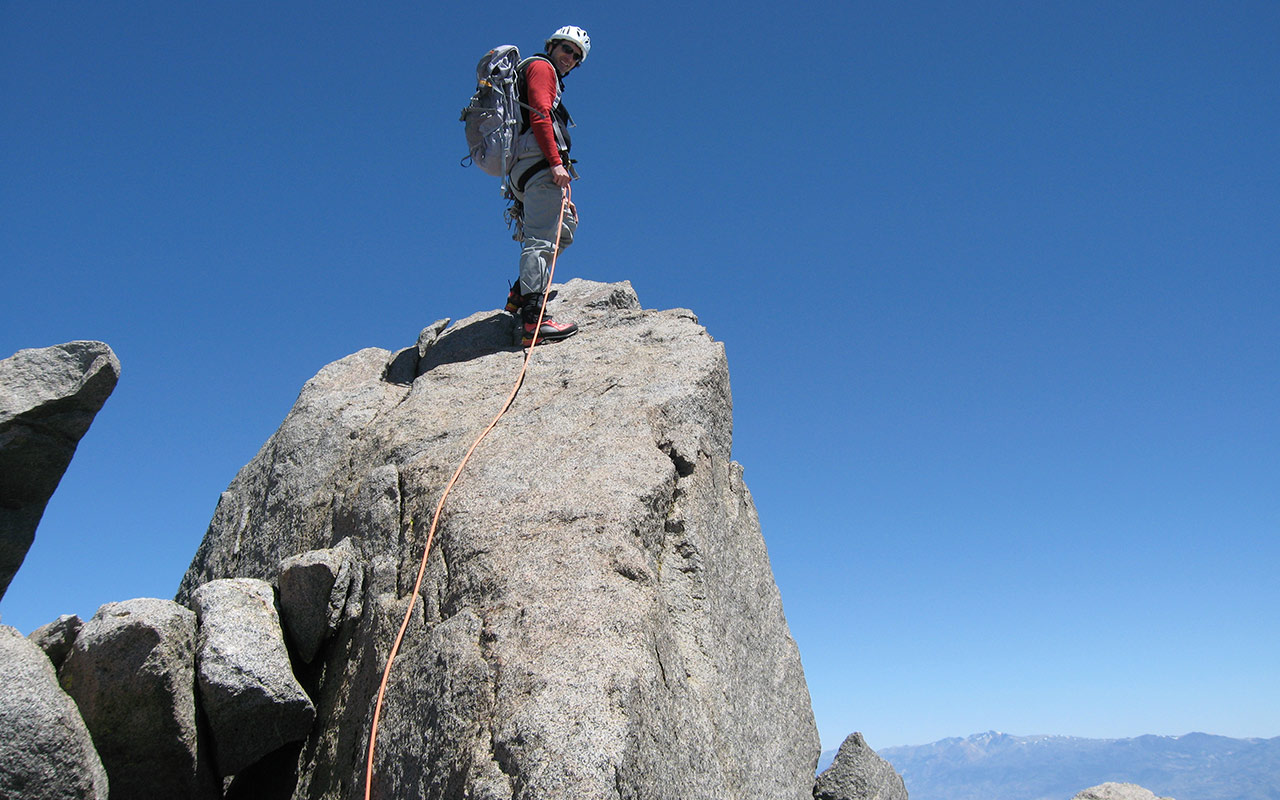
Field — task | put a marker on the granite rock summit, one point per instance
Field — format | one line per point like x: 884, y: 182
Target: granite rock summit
x: 598, y: 620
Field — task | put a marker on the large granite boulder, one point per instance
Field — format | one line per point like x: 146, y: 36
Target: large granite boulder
x: 318, y: 589
x: 48, y: 398
x: 131, y: 671
x: 858, y: 773
x: 45, y: 749
x: 247, y: 689
x: 56, y: 638
x: 598, y: 618
x: 1118, y: 791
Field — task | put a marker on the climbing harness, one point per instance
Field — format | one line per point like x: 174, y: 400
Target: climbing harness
x: 435, y: 519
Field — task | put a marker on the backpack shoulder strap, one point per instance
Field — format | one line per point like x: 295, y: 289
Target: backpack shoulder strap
x: 522, y: 87
x: 535, y: 57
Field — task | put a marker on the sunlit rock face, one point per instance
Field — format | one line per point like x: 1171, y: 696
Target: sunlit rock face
x: 598, y: 617
x: 48, y: 398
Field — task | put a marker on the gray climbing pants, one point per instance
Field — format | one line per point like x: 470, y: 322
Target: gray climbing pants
x: 542, y: 200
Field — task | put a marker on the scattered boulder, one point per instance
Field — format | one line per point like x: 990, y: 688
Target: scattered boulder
x: 1118, y: 791
x: 45, y: 749
x: 131, y: 671
x: 315, y: 588
x: 429, y: 335
x: 56, y: 638
x: 247, y: 688
x: 859, y: 774
x: 48, y: 398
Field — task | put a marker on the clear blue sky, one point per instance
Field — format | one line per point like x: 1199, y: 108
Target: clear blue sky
x: 997, y: 281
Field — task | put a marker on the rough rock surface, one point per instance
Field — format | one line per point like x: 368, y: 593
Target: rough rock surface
x: 315, y: 588
x: 48, y: 398
x: 247, y: 688
x: 45, y: 749
x: 1118, y: 791
x: 56, y: 638
x: 598, y: 618
x: 859, y: 774
x: 132, y: 674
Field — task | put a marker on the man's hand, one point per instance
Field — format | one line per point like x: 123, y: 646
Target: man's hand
x: 560, y: 176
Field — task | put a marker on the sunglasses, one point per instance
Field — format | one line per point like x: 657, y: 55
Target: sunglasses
x: 571, y: 50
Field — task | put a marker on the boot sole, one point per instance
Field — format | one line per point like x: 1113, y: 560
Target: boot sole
x: 528, y: 341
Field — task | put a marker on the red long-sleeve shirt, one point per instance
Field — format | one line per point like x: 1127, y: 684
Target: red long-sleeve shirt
x: 543, y: 88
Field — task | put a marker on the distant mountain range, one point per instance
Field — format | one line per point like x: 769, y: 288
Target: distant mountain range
x: 997, y: 766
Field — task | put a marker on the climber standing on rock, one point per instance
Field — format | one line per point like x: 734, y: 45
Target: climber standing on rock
x: 540, y: 178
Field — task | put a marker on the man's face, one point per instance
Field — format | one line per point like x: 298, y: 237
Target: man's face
x: 565, y: 56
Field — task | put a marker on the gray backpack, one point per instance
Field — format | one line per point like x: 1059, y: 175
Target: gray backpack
x: 493, y: 116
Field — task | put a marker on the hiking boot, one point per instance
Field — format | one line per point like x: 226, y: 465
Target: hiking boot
x: 550, y: 331
x: 515, y: 300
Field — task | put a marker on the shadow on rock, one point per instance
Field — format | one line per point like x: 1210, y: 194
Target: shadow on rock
x: 477, y: 336
x: 474, y: 337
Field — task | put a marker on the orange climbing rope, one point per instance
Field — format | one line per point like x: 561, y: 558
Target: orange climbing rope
x: 435, y: 519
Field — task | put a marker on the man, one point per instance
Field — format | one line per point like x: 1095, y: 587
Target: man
x: 541, y: 176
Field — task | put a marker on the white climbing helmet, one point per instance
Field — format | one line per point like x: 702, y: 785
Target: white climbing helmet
x: 572, y: 33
